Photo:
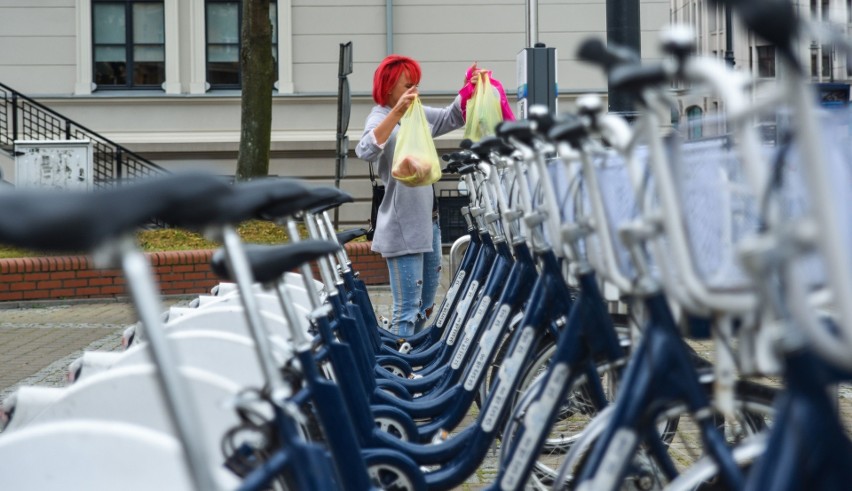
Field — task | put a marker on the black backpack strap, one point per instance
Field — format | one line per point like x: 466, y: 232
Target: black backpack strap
x: 378, y: 196
x: 372, y: 174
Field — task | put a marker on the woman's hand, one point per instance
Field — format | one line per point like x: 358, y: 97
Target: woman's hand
x: 474, y: 73
x: 384, y: 129
x: 405, y: 100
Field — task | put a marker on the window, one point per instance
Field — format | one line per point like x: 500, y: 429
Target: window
x: 128, y: 40
x: 814, y: 63
x: 713, y: 12
x: 694, y: 123
x: 826, y: 60
x: 224, y: 18
x: 821, y: 55
x: 766, y: 61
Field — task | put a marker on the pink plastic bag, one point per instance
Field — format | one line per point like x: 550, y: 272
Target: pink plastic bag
x: 468, y: 90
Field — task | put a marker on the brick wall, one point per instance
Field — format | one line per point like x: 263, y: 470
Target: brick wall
x: 371, y: 267
x: 178, y: 272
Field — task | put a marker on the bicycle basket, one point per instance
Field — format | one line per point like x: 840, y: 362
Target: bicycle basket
x: 717, y: 206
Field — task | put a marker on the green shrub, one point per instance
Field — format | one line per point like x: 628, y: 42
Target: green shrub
x: 175, y: 239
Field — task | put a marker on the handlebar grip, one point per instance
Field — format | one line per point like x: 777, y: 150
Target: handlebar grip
x: 594, y: 51
x: 637, y: 77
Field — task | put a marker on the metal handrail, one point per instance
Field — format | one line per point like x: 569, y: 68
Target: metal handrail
x: 22, y: 118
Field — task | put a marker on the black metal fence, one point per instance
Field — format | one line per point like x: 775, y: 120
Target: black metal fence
x: 22, y: 118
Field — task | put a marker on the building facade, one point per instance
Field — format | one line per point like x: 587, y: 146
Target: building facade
x: 161, y: 77
x: 754, y: 55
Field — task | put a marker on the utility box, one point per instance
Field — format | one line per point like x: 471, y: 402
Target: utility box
x: 536, y: 78
x: 54, y: 164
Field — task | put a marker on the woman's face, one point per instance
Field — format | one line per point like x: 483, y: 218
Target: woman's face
x: 401, y: 86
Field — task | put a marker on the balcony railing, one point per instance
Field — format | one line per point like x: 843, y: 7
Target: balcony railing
x: 22, y: 118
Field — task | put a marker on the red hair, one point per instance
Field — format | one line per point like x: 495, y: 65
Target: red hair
x: 388, y: 73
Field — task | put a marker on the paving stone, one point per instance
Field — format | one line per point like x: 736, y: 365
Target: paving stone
x: 38, y: 342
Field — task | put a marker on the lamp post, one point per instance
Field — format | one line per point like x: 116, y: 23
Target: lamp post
x: 622, y: 28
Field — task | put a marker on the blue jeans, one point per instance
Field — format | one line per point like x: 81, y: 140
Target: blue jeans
x: 414, y: 281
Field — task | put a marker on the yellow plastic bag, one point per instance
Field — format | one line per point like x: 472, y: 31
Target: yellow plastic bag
x: 415, y: 160
x: 483, y: 110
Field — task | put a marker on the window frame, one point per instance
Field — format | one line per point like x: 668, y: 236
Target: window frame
x: 128, y: 45
x: 239, y: 44
x: 694, y: 122
x: 759, y: 60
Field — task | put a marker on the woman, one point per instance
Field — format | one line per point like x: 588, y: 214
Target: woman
x: 407, y: 233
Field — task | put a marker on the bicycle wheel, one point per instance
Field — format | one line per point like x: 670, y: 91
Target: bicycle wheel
x: 753, y: 415
x: 574, y: 414
x: 492, y: 369
x: 544, y: 349
x: 704, y: 474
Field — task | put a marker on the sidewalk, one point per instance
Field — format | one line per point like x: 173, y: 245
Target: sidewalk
x: 39, y: 340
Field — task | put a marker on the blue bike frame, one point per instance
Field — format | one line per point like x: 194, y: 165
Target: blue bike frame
x: 807, y: 446
x: 660, y: 373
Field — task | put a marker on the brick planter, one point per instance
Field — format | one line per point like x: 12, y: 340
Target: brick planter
x: 178, y: 273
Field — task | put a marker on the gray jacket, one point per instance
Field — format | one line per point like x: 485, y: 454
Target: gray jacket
x: 404, y: 222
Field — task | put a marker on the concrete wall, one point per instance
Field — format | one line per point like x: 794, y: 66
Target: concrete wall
x: 37, y: 45
x: 43, y: 48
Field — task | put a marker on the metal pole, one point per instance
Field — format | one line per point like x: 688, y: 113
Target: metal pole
x: 389, y: 27
x: 532, y: 23
x: 622, y: 28
x: 831, y: 63
x: 119, y: 167
x: 729, y: 37
x: 14, y: 116
x: 344, y: 108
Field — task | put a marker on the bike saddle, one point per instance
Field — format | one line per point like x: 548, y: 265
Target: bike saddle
x: 542, y: 117
x: 572, y: 131
x: 333, y: 202
x: 269, y: 263
x: 594, y: 51
x: 635, y: 77
x: 245, y: 202
x: 489, y: 144
x: 72, y: 221
x: 314, y: 197
x: 523, y: 130
x: 346, y: 236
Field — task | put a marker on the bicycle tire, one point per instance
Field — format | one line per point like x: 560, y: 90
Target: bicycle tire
x: 575, y: 413
x: 754, y: 403
x: 547, y: 343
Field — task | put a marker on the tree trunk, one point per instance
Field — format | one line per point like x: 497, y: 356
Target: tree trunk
x: 256, y: 64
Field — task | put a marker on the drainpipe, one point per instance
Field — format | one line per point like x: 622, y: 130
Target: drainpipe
x: 389, y: 27
x: 532, y: 23
x: 729, y: 37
